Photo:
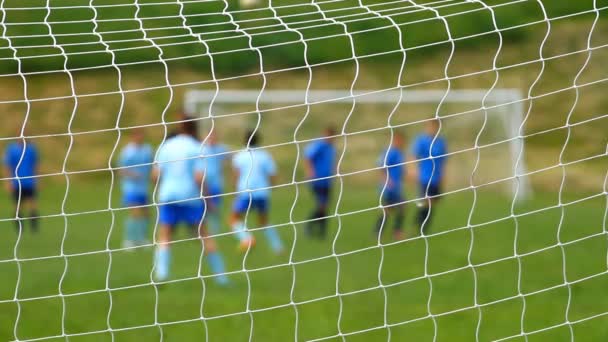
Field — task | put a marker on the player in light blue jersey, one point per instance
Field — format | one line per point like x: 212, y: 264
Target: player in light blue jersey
x: 21, y: 165
x: 179, y: 172
x: 392, y: 161
x: 429, y: 150
x: 320, y: 166
x: 255, y: 171
x: 215, y: 157
x: 135, y: 164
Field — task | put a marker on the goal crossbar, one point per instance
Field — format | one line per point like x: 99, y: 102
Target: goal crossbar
x: 195, y: 97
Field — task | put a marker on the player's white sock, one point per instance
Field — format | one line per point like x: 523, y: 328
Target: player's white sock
x: 161, y: 262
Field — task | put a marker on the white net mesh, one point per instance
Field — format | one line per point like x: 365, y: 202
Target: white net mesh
x: 517, y: 247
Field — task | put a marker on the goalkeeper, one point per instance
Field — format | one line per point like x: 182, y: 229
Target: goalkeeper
x: 135, y: 162
x: 179, y: 172
x: 320, y: 166
x: 254, y: 170
x: 429, y: 150
x: 393, y: 171
x: 21, y: 165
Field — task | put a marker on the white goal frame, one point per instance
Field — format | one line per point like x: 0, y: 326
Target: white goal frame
x: 508, y: 102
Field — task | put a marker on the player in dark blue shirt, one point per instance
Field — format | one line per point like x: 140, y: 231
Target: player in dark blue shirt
x: 392, y: 161
x: 21, y: 165
x: 429, y: 150
x: 320, y: 167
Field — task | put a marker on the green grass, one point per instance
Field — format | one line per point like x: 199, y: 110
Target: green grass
x: 111, y: 288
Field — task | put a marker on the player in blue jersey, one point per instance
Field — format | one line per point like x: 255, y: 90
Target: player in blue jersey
x: 392, y: 161
x: 135, y: 164
x: 255, y: 172
x: 320, y: 166
x: 179, y: 172
x: 215, y: 156
x: 429, y: 149
x: 21, y: 165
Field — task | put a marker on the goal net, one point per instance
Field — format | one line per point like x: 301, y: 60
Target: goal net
x: 462, y: 192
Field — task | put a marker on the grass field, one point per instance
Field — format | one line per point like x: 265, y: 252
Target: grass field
x: 295, y: 296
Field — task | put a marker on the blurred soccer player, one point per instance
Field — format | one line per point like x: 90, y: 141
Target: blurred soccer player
x: 392, y: 175
x: 320, y: 165
x: 215, y: 157
x: 429, y: 149
x: 136, y: 163
x: 21, y: 164
x: 179, y: 170
x: 255, y: 172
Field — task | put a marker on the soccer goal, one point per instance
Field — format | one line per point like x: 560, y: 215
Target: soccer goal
x: 473, y: 119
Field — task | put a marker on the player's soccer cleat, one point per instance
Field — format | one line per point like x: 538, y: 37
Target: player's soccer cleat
x: 398, y: 235
x: 247, y: 243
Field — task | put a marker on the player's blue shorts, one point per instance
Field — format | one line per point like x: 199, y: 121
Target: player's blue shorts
x: 134, y: 199
x: 391, y: 197
x: 321, y: 193
x: 215, y: 198
x: 242, y: 203
x: 190, y: 212
x: 23, y: 193
x: 430, y: 190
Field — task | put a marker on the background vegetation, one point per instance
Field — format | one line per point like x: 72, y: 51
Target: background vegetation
x: 137, y: 32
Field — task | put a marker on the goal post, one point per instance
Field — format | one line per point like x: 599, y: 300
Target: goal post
x: 503, y: 106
